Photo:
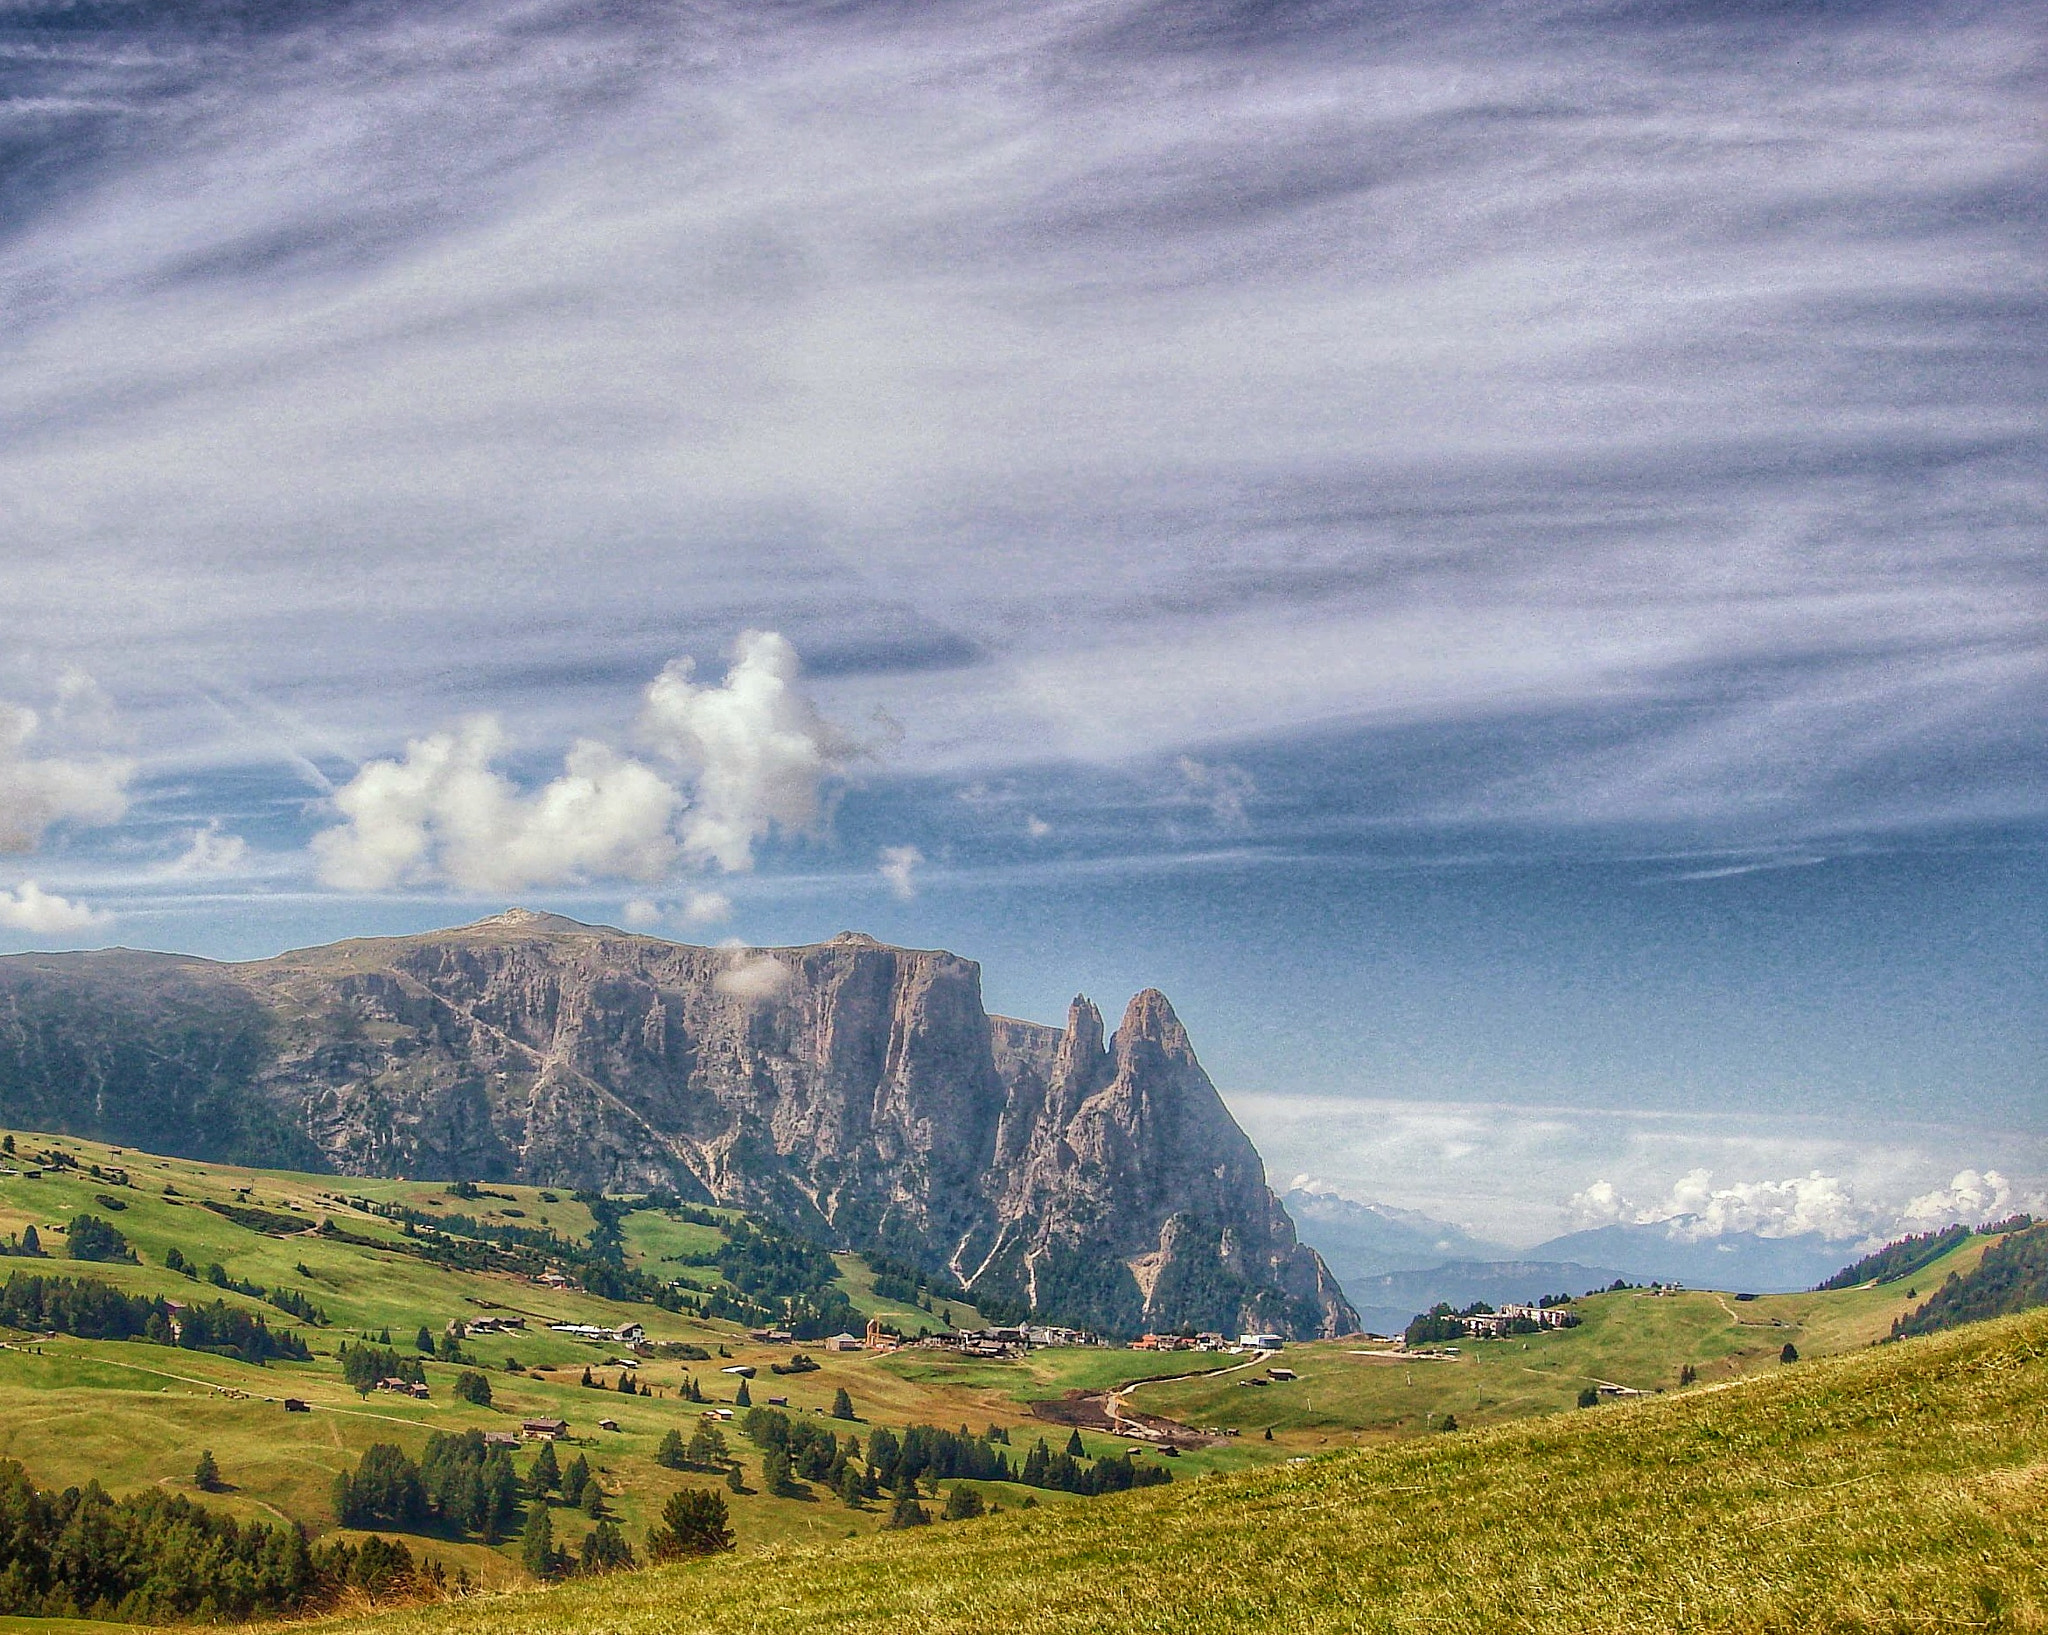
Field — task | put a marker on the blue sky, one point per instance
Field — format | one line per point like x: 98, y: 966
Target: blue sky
x: 1493, y: 552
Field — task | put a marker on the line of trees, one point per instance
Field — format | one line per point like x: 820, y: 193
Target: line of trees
x: 155, y: 1557
x: 92, y: 1310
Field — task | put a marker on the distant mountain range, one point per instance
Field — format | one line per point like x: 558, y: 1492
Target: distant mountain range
x: 1397, y: 1262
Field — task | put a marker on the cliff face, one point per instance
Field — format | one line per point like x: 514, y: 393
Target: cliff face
x: 856, y: 1089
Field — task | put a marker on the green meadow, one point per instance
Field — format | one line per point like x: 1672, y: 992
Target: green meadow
x: 1896, y: 1489
x: 1521, y: 1505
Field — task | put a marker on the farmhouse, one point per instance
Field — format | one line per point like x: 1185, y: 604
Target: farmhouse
x: 548, y: 1430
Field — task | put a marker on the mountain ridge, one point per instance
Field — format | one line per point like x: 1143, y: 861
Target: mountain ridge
x: 857, y: 1090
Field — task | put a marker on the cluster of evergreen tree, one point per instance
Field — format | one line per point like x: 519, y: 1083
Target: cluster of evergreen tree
x: 1901, y: 1259
x: 97, y: 1311
x: 897, y: 1462
x: 1067, y: 1472
x: 905, y: 1281
x: 2012, y: 1276
x: 365, y: 1364
x: 156, y: 1557
x: 286, y: 1300
x: 457, y: 1481
x: 90, y: 1238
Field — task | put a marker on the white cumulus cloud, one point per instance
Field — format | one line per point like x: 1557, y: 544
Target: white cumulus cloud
x: 210, y: 850
x: 758, y: 749
x: 707, y: 908
x: 1971, y: 1197
x: 36, y: 792
x: 41, y: 913
x: 1695, y: 1208
x: 899, y: 867
x: 754, y: 980
x: 443, y: 812
x: 641, y: 914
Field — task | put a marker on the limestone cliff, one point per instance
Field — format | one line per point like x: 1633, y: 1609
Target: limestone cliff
x: 858, y: 1090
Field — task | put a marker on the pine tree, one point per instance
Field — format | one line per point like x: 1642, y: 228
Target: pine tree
x: 424, y: 1344
x: 842, y: 1404
x: 707, y: 1446
x: 1074, y: 1448
x: 963, y: 1504
x: 1790, y: 1354
x: 735, y: 1477
x: 586, y: 1382
x: 546, y: 1474
x: 575, y: 1479
x: 537, y: 1545
x: 694, y: 1522
x: 605, y: 1550
x: 472, y: 1387
x: 626, y: 1385
x: 207, y: 1477
x: 745, y: 1398
x: 592, y: 1501
x: 775, y: 1473
x: 907, y: 1512
x: 670, y: 1455
x: 31, y: 1242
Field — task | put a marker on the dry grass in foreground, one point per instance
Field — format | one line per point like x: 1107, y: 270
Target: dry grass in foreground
x: 1898, y: 1489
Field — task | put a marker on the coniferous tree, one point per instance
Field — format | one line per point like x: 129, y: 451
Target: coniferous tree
x: 1790, y: 1354
x: 907, y: 1512
x: 775, y: 1473
x: 1074, y: 1448
x: 592, y: 1502
x: 575, y: 1479
x: 31, y: 1243
x: 842, y: 1404
x: 605, y: 1550
x: 964, y: 1503
x: 207, y: 1476
x: 735, y: 1477
x: 707, y: 1448
x: 671, y: 1455
x: 473, y: 1387
x: 546, y: 1475
x: 744, y: 1398
x: 537, y: 1544
x: 694, y: 1522
x: 424, y: 1341
x: 626, y: 1385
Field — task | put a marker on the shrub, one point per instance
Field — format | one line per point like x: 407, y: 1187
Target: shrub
x: 694, y: 1522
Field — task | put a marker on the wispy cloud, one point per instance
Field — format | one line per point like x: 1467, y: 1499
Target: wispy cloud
x: 1096, y: 382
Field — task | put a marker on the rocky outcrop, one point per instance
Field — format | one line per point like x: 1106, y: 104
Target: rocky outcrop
x: 857, y: 1090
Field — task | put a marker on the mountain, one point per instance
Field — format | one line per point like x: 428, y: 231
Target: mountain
x: 1388, y: 1301
x: 1669, y: 1252
x: 1363, y: 1240
x: 857, y: 1091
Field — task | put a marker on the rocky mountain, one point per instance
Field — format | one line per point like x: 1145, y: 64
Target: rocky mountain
x: 858, y: 1091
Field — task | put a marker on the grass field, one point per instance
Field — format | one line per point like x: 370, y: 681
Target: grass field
x: 1630, y: 1338
x: 135, y: 1415
x: 1898, y: 1489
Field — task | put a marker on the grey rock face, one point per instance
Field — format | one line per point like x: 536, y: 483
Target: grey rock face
x: 858, y: 1090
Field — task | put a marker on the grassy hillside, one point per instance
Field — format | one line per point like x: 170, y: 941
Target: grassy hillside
x: 1904, y: 1488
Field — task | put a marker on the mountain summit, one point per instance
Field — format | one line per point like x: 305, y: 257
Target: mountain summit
x: 859, y: 1091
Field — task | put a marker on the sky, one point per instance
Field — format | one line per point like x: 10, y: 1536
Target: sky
x: 1496, y: 553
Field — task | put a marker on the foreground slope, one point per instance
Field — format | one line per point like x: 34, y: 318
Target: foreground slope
x: 859, y: 1092
x: 1904, y: 1488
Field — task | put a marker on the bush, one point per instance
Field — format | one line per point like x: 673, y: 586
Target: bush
x: 694, y: 1522
x: 1790, y: 1354
x: 1589, y: 1397
x: 963, y: 1504
x: 907, y: 1512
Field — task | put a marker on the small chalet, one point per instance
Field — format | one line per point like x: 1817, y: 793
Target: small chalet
x: 543, y: 1430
